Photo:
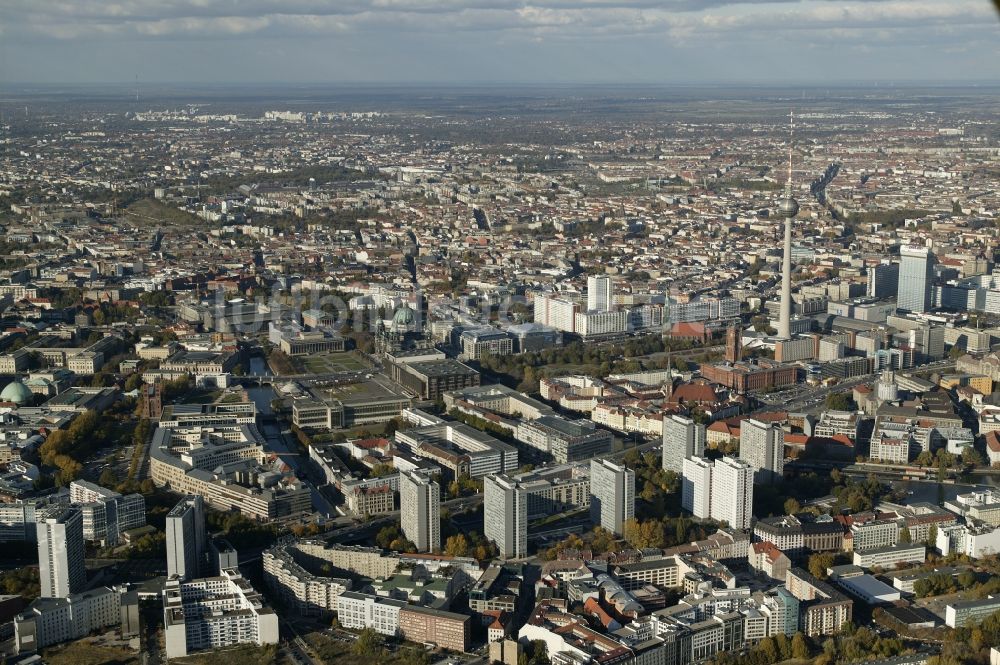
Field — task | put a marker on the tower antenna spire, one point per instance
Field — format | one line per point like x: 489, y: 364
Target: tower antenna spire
x: 788, y: 208
x: 791, y: 142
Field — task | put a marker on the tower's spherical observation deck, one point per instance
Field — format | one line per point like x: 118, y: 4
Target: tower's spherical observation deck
x: 788, y: 207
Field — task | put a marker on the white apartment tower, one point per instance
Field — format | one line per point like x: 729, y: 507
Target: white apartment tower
x: 420, y: 510
x: 682, y: 438
x: 720, y: 490
x: 213, y: 613
x: 599, y: 295
x: 61, y: 553
x: 186, y: 539
x: 762, y: 445
x: 696, y: 487
x: 505, y: 515
x: 612, y: 495
x: 732, y: 492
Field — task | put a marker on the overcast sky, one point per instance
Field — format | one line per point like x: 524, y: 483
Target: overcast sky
x: 486, y: 41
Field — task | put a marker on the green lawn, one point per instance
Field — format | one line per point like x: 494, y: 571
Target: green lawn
x: 200, y: 396
x: 151, y: 213
x: 314, y: 364
x: 330, y: 362
x: 246, y: 654
x: 333, y: 652
x: 84, y: 652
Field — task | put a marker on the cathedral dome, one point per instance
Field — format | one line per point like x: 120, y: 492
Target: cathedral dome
x: 403, y: 318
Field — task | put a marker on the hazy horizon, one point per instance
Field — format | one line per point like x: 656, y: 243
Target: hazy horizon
x: 540, y: 42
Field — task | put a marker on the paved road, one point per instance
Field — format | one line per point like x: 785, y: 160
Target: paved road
x: 354, y: 375
x: 299, y: 646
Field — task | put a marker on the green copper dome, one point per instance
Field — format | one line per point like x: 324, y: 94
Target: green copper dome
x: 16, y: 392
x: 403, y: 316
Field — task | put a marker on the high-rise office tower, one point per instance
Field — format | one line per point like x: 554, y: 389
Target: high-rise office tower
x: 420, y: 510
x: 788, y: 208
x: 612, y: 495
x: 106, y: 514
x: 221, y: 556
x: 732, y: 492
x: 505, y: 515
x: 682, y: 438
x: 926, y: 340
x: 696, y: 487
x: 61, y: 552
x: 187, y: 544
x: 762, y: 445
x: 599, y: 297
x: 916, y: 275
x: 883, y: 280
x: 734, y: 344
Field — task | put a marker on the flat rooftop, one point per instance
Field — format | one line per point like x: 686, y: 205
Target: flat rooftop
x: 376, y: 389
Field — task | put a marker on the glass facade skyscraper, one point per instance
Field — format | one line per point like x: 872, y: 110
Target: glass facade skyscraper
x: 916, y: 273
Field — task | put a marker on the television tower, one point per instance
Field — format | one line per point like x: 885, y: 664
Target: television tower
x: 789, y: 208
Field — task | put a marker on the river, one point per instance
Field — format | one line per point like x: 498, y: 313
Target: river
x: 933, y: 492
x: 258, y: 366
x: 262, y: 396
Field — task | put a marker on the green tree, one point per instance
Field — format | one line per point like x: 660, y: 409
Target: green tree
x: 640, y: 535
x: 368, y: 644
x: 800, y: 648
x: 838, y: 402
x: 602, y: 541
x: 108, y: 478
x: 819, y: 562
x: 944, y: 459
x: 768, y: 650
x: 456, y: 545
x: 382, y: 469
x: 529, y: 383
x: 539, y: 653
x: 133, y: 382
x: 971, y: 457
x: 934, y: 585
x: 386, y: 535
x: 792, y: 506
x: 23, y: 582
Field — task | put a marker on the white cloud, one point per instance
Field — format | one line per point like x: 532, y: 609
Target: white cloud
x: 162, y: 18
x: 583, y: 35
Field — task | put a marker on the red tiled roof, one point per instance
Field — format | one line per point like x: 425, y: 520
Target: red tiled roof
x: 722, y: 427
x: 688, y: 328
x: 694, y: 392
x: 993, y: 441
x: 594, y: 607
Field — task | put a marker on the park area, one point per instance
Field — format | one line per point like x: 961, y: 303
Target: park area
x: 330, y: 363
x: 91, y: 651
